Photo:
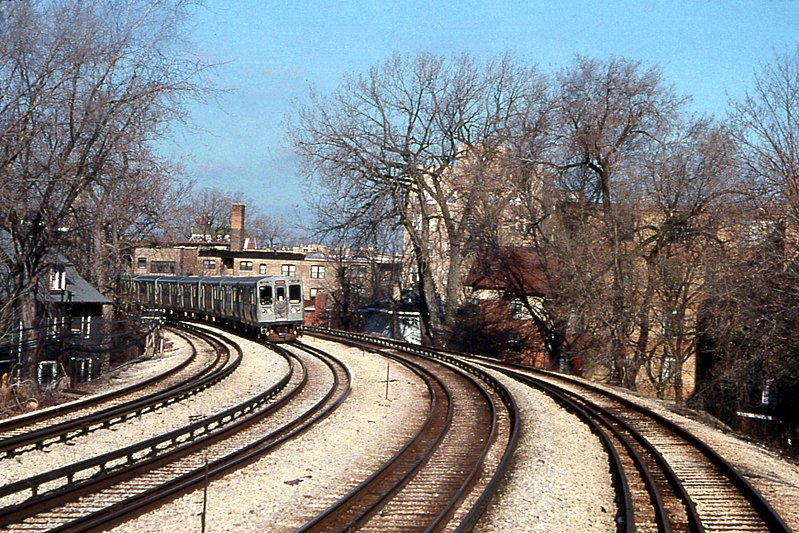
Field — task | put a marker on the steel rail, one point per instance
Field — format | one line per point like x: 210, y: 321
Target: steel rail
x: 772, y: 520
x: 146, y: 455
x: 770, y: 517
x: 360, y: 503
x: 28, y: 419
x: 472, y: 516
x: 133, y: 506
x: 63, y: 431
x: 596, y: 415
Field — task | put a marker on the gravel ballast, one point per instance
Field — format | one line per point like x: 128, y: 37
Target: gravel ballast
x: 260, y: 368
x: 301, y: 478
x: 559, y: 479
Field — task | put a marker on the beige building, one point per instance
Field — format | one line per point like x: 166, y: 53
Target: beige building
x: 232, y: 254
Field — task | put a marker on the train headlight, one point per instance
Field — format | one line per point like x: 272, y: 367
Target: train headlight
x: 295, y: 310
x: 266, y: 311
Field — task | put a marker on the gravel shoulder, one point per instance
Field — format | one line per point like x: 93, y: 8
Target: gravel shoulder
x: 260, y: 369
x: 295, y: 482
x: 560, y: 477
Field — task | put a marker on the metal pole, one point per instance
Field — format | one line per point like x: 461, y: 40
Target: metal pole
x: 205, y: 494
x: 388, y: 371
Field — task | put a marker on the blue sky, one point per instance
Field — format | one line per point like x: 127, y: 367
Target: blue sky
x: 271, y: 53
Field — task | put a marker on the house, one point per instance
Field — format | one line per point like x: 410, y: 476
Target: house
x: 73, y: 315
x: 394, y: 320
x: 507, y: 287
x: 78, y: 307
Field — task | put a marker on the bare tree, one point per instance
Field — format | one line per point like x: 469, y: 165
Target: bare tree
x: 386, y: 147
x: 691, y: 185
x: 273, y: 232
x: 749, y: 319
x: 84, y: 86
x: 610, y: 113
x: 121, y: 212
x: 207, y: 211
x: 767, y: 121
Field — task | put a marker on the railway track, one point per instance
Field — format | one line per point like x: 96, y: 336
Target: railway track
x: 201, y: 369
x: 666, y: 478
x: 669, y: 480
x: 132, y: 480
x: 441, y: 479
x: 460, y: 448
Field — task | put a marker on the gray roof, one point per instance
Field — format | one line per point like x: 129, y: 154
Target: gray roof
x: 79, y: 290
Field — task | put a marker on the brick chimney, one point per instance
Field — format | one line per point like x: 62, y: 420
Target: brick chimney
x: 237, y: 227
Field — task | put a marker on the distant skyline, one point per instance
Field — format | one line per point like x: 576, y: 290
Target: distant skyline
x: 271, y: 53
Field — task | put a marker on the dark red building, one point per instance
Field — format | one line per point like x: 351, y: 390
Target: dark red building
x: 508, y: 286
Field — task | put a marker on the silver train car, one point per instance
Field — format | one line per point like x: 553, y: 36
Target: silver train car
x: 269, y: 306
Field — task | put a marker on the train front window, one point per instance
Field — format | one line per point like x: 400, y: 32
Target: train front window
x: 295, y: 294
x: 266, y: 295
x: 281, y: 293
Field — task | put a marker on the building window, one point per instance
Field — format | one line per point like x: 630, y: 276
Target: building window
x: 317, y: 272
x: 142, y: 263
x: 315, y: 291
x: 514, y: 342
x: 669, y: 369
x: 162, y: 267
x: 288, y: 270
x: 58, y: 281
x: 209, y: 264
x: 245, y: 266
x: 262, y: 269
x: 516, y: 308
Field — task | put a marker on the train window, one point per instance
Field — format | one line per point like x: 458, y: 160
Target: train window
x: 295, y: 294
x: 266, y: 295
x: 281, y: 293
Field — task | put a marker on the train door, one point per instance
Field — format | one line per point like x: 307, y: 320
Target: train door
x: 281, y: 303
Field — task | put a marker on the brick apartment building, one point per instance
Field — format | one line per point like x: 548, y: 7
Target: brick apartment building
x: 233, y: 254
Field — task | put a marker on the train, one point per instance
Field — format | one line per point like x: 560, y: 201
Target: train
x: 267, y: 306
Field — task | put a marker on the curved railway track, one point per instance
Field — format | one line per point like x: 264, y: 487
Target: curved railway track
x: 666, y: 478
x: 680, y: 483
x: 130, y: 481
x: 461, y: 447
x: 441, y: 479
x: 200, y: 370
